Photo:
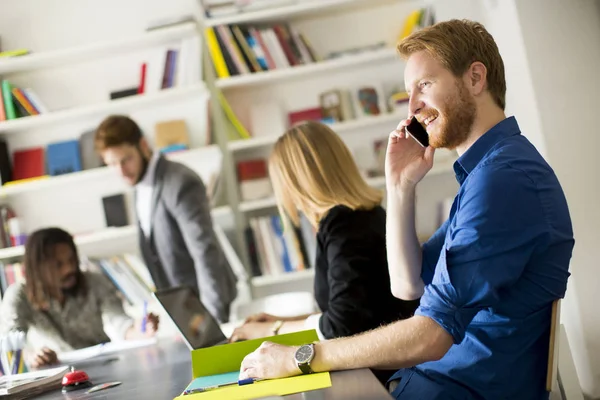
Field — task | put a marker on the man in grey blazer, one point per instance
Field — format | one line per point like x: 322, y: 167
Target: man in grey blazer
x: 177, y: 239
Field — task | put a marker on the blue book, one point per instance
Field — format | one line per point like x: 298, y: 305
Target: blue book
x: 63, y: 157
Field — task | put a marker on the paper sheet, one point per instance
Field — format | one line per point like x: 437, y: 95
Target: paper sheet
x: 103, y: 349
x: 275, y: 387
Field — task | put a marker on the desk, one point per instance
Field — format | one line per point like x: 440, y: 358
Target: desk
x: 163, y: 371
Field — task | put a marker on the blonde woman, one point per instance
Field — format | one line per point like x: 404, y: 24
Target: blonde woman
x: 313, y: 173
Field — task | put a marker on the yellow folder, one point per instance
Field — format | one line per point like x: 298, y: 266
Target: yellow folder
x: 228, y: 358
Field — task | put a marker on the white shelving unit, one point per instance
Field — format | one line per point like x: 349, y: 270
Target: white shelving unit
x: 90, y: 175
x: 105, y: 235
x: 105, y: 108
x: 96, y: 50
x: 441, y: 167
x: 307, y: 274
x: 294, y: 9
x: 340, y: 127
x: 73, y: 201
x: 297, y: 72
x: 330, y: 26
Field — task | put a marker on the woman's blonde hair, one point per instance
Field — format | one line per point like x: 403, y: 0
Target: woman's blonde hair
x: 312, y: 171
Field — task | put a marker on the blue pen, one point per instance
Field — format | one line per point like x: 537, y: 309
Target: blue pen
x: 247, y: 381
x: 145, y: 317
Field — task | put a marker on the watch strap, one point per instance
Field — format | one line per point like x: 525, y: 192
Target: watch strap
x: 305, y: 368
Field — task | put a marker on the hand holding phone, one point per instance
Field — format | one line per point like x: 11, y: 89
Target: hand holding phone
x: 416, y: 130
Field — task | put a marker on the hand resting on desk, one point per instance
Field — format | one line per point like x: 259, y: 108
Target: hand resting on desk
x: 251, y: 330
x: 270, y: 361
x: 42, y: 358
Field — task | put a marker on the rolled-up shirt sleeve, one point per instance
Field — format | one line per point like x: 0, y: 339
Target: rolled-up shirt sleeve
x: 492, y: 237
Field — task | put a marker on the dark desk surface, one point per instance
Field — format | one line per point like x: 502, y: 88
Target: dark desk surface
x: 163, y: 371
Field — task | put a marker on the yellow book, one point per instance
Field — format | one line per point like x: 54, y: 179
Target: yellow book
x: 411, y: 23
x: 244, y: 134
x: 14, y: 53
x: 26, y: 180
x: 215, y: 53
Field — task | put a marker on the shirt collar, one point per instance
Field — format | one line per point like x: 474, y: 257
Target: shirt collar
x: 469, y: 160
x: 148, y: 179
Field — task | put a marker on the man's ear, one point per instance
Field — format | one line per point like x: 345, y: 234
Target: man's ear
x: 145, y: 147
x: 476, y: 78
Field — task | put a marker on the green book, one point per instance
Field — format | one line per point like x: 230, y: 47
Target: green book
x: 9, y: 106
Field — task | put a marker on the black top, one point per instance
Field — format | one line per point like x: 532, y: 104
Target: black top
x: 352, y: 282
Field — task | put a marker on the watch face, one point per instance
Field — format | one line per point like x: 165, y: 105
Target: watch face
x: 304, y: 354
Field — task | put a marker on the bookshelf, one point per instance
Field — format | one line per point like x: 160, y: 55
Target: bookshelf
x: 340, y: 128
x: 118, y: 105
x: 104, y: 235
x: 90, y: 175
x: 358, y: 24
x: 298, y: 8
x: 87, y: 52
x: 442, y: 167
x: 298, y: 72
x: 269, y: 280
x: 75, y: 77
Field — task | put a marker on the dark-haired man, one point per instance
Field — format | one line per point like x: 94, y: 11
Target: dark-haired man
x: 177, y: 239
x: 61, y: 308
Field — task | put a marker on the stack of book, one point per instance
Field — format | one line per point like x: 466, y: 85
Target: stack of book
x: 129, y: 275
x: 18, y: 102
x: 275, y: 251
x: 239, y: 50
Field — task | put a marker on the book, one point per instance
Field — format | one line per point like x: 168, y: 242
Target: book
x: 25, y: 385
x: 63, y: 157
x: 115, y: 210
x: 28, y: 163
x: 168, y: 133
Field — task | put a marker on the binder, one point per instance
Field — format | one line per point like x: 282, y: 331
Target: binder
x: 227, y: 358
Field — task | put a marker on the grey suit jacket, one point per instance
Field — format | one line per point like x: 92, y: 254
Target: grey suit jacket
x: 183, y: 247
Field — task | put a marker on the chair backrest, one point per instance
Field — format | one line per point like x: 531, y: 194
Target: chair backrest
x: 552, y: 372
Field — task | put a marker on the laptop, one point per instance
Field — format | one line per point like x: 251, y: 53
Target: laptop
x: 198, y: 327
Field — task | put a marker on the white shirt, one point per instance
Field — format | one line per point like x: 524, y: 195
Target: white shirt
x: 143, y: 191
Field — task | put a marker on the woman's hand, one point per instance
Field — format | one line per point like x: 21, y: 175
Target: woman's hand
x: 262, y: 317
x: 252, y: 330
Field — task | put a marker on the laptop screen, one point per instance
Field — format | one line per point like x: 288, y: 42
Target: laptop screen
x: 198, y: 327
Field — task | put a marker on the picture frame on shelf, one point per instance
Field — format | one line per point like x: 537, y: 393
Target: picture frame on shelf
x: 368, y: 99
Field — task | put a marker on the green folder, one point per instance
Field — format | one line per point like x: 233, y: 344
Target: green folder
x: 228, y: 358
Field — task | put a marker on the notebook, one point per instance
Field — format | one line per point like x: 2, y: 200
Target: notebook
x: 27, y: 384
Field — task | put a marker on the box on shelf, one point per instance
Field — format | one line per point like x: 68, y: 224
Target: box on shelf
x: 253, y: 180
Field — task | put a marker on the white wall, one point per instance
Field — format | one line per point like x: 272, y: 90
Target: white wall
x: 563, y: 52
x: 551, y: 56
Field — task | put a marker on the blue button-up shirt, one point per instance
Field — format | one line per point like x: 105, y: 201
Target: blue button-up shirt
x: 492, y: 272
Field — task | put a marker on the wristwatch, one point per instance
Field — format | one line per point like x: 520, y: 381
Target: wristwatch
x: 304, y: 355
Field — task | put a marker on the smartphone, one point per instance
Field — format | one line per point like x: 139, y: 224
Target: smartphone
x: 416, y: 130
